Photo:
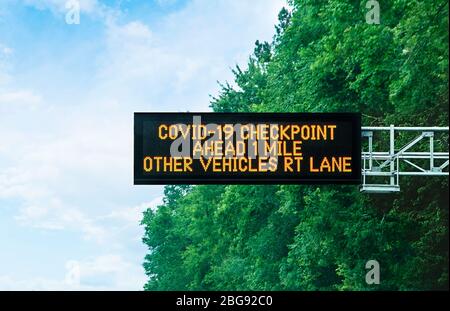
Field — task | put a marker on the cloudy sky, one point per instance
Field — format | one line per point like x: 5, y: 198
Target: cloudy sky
x: 69, y: 213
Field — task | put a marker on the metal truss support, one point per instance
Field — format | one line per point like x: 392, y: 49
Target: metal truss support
x: 381, y: 170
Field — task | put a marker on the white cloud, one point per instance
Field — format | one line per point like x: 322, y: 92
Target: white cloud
x: 93, y: 273
x: 21, y: 99
x: 175, y: 66
x: 6, y: 51
x: 104, y: 272
x: 133, y: 215
x: 11, y: 283
x: 164, y: 3
x: 110, y: 263
x: 59, y: 6
x: 53, y: 215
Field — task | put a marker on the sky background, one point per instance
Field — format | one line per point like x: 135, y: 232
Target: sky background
x: 69, y: 213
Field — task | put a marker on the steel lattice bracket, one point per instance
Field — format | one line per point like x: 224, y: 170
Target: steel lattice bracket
x: 381, y: 170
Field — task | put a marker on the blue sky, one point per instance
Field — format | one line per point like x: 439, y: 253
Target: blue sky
x: 69, y: 213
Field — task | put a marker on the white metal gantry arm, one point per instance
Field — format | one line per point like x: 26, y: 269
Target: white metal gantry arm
x: 392, y: 163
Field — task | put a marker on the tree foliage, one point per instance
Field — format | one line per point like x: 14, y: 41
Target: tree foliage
x: 324, y: 57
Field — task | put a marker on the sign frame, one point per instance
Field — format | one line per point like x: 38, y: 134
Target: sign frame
x: 354, y: 118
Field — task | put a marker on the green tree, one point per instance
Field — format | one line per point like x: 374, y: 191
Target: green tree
x: 324, y: 57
